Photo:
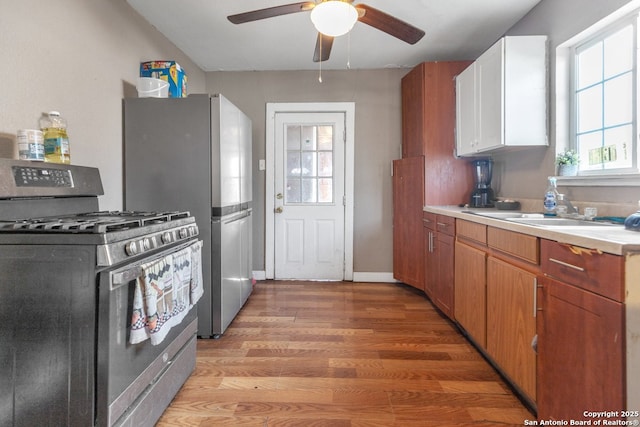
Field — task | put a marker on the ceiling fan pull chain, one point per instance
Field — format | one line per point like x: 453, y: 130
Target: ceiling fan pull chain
x: 349, y: 50
x: 320, y: 61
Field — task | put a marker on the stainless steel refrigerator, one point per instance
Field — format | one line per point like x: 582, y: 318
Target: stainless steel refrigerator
x: 194, y: 154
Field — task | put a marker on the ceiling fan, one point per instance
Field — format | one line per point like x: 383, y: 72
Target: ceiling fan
x: 352, y: 13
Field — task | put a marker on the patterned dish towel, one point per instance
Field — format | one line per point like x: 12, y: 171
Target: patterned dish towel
x: 163, y: 295
x: 197, y: 288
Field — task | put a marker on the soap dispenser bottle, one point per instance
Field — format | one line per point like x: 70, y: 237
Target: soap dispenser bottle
x: 551, y: 197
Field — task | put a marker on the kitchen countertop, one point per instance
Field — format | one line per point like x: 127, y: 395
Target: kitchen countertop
x: 612, y: 239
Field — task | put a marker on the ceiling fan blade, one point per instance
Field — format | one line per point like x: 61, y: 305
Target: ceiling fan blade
x: 270, y: 12
x: 390, y: 25
x: 322, y: 54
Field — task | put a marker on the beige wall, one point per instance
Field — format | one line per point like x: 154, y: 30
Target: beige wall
x: 376, y: 94
x: 80, y: 57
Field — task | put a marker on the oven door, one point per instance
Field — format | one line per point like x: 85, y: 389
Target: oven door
x: 135, y: 382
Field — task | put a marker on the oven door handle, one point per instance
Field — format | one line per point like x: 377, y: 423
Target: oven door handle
x: 123, y: 277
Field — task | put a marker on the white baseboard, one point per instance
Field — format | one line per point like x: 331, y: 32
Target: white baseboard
x: 373, y: 277
x: 259, y: 275
x: 357, y: 277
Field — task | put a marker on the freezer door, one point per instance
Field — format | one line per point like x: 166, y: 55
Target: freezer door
x: 235, y: 265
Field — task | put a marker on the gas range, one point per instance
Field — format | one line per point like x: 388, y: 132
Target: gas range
x: 119, y: 235
x: 76, y: 282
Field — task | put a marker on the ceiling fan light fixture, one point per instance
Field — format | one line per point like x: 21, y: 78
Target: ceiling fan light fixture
x: 334, y: 17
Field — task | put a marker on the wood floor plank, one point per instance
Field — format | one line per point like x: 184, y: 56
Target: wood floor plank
x: 341, y: 354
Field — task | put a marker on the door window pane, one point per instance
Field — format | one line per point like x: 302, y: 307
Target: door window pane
x: 309, y: 164
x: 309, y: 194
x: 292, y: 194
x: 309, y: 137
x: 325, y: 137
x: 309, y: 176
x: 293, y: 164
x: 293, y: 137
x: 325, y: 190
x: 325, y: 163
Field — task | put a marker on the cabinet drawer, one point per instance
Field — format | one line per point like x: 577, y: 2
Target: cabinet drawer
x: 446, y: 224
x: 429, y: 220
x: 472, y: 231
x: 519, y: 245
x: 589, y: 269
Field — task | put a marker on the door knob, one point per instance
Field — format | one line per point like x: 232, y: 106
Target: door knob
x: 279, y: 209
x: 279, y: 196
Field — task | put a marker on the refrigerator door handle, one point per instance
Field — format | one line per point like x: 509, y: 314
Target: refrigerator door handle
x: 237, y: 217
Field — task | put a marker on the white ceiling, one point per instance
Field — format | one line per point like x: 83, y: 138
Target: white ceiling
x: 455, y: 30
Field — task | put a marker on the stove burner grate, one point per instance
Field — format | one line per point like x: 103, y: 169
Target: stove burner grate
x: 91, y: 222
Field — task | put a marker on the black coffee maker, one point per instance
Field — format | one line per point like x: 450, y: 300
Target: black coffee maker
x: 482, y: 195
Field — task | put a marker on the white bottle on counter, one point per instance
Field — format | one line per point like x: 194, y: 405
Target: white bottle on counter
x: 551, y: 197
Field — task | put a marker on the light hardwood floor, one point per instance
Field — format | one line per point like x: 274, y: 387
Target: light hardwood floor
x: 341, y: 354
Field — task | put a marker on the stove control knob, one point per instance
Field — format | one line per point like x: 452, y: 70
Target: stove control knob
x: 184, y: 233
x: 166, y: 237
x: 146, y: 244
x: 131, y: 248
x: 195, y: 230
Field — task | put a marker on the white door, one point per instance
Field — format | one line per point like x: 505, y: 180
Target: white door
x: 309, y: 190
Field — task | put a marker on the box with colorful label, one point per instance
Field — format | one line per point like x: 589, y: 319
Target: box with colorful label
x: 169, y: 71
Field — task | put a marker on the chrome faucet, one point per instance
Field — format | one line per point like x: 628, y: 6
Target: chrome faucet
x: 563, y: 200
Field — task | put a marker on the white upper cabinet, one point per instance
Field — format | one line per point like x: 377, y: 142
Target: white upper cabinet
x: 501, y: 99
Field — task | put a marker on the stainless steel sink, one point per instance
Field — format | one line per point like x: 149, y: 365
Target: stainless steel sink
x: 560, y: 222
x: 538, y: 220
x: 499, y: 215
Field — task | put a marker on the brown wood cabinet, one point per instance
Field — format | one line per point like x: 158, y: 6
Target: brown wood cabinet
x: 408, y: 253
x: 430, y: 262
x: 512, y: 270
x: 495, y: 289
x: 511, y: 322
x: 439, y: 261
x: 471, y: 292
x: 428, y: 123
x: 581, y: 335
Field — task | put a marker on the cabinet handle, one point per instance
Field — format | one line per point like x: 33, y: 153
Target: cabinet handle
x: 566, y: 264
x: 428, y: 221
x: 535, y: 296
x: 442, y: 224
x: 430, y: 242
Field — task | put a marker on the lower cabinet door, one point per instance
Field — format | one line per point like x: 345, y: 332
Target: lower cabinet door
x: 470, y: 292
x: 444, y: 260
x: 511, y: 322
x: 580, y: 352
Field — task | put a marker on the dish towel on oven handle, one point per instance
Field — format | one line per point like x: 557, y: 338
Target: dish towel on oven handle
x: 150, y: 311
x: 197, y: 287
x: 165, y: 292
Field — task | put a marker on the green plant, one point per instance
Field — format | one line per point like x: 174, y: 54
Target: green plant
x: 569, y: 157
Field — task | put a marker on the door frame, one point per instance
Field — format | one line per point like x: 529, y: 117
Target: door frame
x: 348, y: 108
